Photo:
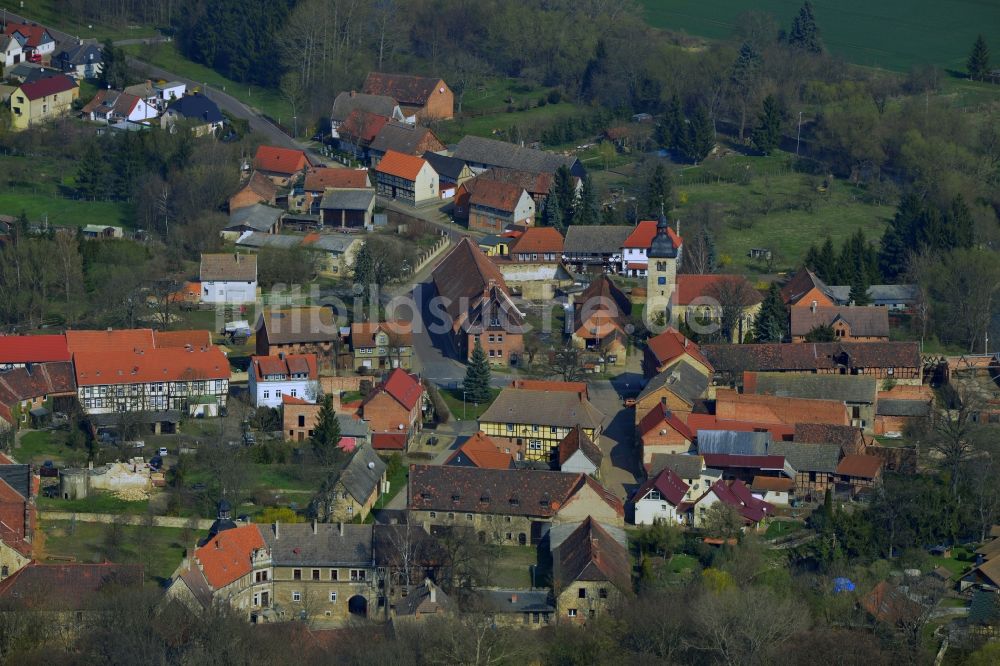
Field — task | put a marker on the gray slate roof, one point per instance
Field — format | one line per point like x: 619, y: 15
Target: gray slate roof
x: 864, y: 321
x: 903, y: 408
x: 684, y: 466
x: 296, y: 544
x: 347, y: 199
x: 345, y: 102
x: 448, y: 168
x: 807, y: 457
x: 682, y: 379
x: 545, y: 408
x: 518, y: 601
x: 17, y: 477
x: 333, y: 243
x: 401, y: 137
x: 880, y: 294
x: 491, y: 152
x: 559, y: 531
x: 257, y: 217
x: 352, y: 427
x: 733, y: 443
x: 362, y: 474
x: 257, y: 239
x: 845, y: 388
x: 597, y: 239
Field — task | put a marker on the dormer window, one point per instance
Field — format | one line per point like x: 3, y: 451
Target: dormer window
x: 544, y: 503
x: 514, y: 501
x: 654, y: 495
x: 485, y: 499
x: 456, y: 497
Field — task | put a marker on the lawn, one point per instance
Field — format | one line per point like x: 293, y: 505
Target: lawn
x: 159, y: 549
x: 895, y: 34
x: 492, y: 95
x: 396, y: 483
x: 487, y: 125
x: 513, y: 569
x: 296, y: 478
x: 780, y: 528
x: 956, y: 567
x: 53, y: 13
x: 165, y: 55
x: 38, y: 446
x: 96, y: 502
x: 467, y: 411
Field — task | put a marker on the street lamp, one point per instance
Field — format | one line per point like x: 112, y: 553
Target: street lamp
x: 463, y: 404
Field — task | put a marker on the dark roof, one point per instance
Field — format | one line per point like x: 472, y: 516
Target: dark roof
x: 860, y: 465
x: 197, y: 107
x: 663, y: 246
x: 448, y: 168
x: 737, y: 495
x: 346, y: 102
x: 885, y: 294
x: 497, y: 491
x: 347, y: 199
x: 419, y: 601
x: 257, y: 217
x: 682, y: 379
x: 17, y: 477
x: 808, y: 457
x: 864, y: 321
x: 80, y: 54
x: 296, y: 326
x: 517, y: 601
x: 319, y: 544
x: 494, y: 194
x: 547, y: 408
x: 423, y: 549
x: 577, y: 440
x: 464, y: 274
x: 668, y: 483
x: 731, y: 442
x: 405, y: 89
x: 903, y: 408
x: 984, y: 608
x: 404, y: 138
x: 604, y: 294
x: 685, y: 466
x: 591, y: 554
x: 363, y: 473
x: 491, y: 152
x: 848, y: 438
x: 598, y: 239
x: 843, y: 388
x: 66, y: 587
x: 228, y: 267
x: 534, y: 182
x: 197, y: 584
x: 802, y: 283
x: 811, y: 356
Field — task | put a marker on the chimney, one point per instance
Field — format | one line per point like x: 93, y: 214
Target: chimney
x: 513, y: 598
x: 433, y: 593
x: 236, y: 257
x: 218, y: 545
x: 812, y: 307
x: 340, y: 528
x: 315, y: 530
x: 277, y: 533
x: 353, y: 93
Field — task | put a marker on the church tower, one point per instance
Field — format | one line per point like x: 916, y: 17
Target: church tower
x: 661, y: 273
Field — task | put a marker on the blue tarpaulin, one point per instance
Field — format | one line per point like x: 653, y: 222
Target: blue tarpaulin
x: 843, y: 585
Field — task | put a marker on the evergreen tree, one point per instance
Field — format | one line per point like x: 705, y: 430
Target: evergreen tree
x: 92, y: 173
x: 552, y: 214
x: 859, y: 289
x: 744, y: 79
x: 670, y: 130
x: 658, y: 192
x: 699, y: 135
x: 477, y: 376
x: 805, y: 32
x: 959, y: 224
x: 812, y: 258
x: 128, y: 165
x: 892, y: 254
x: 826, y: 261
x: 979, y: 60
x: 364, y: 269
x: 586, y: 209
x: 114, y: 70
x: 767, y: 134
x: 562, y: 187
x: 771, y: 323
x: 708, y: 241
x: 325, y: 439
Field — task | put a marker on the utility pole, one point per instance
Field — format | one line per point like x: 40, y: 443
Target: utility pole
x: 798, y: 136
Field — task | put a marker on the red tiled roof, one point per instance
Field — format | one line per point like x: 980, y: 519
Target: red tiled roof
x: 778, y: 431
x: 79, y: 585
x: 671, y: 344
x: 228, y: 555
x: 317, y: 180
x: 95, y: 368
x: 289, y: 400
x: 642, y: 236
x: 126, y: 340
x: 402, y: 386
x: 659, y: 416
x: 769, y: 408
x: 362, y: 126
x: 860, y: 465
x: 670, y: 486
x: 280, y: 160
x: 32, y: 32
x: 775, y: 483
x: 737, y: 495
x: 287, y: 365
x: 195, y: 338
x: 389, y: 441
x: 575, y: 440
x: 691, y: 287
x: 539, y: 239
x: 404, y: 88
x: 402, y: 166
x: 580, y: 388
x: 18, y: 349
x: 482, y: 452
x: 47, y: 86
x: 589, y: 553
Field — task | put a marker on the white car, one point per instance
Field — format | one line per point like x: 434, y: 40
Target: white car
x: 162, y: 451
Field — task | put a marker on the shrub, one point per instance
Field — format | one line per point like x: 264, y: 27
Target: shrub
x: 554, y: 96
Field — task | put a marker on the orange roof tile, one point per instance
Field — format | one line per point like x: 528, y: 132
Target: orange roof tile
x: 691, y: 287
x: 671, y: 344
x: 494, y: 194
x: 195, y: 338
x: 860, y: 465
x: 580, y: 388
x: 284, y: 365
x: 280, y: 160
x: 658, y: 416
x: 125, y: 340
x: 778, y: 409
x: 483, y: 452
x: 94, y: 368
x: 539, y: 239
x: 228, y: 555
x: 400, y: 165
x: 642, y: 236
x: 317, y: 180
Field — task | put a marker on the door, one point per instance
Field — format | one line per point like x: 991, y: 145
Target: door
x: 265, y: 599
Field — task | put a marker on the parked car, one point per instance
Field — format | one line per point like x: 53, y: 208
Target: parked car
x: 48, y: 468
x: 156, y: 462
x: 162, y: 451
x: 136, y: 444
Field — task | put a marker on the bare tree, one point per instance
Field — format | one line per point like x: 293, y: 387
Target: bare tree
x: 567, y: 364
x: 955, y: 436
x: 734, y: 295
x: 723, y: 521
x: 985, y: 492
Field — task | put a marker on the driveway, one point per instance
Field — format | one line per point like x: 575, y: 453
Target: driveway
x: 620, y: 470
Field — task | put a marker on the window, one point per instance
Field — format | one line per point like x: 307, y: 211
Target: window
x: 296, y: 574
x: 510, y: 427
x: 468, y: 516
x: 357, y: 575
x: 302, y: 421
x: 260, y: 576
x: 572, y: 612
x: 554, y: 430
x: 509, y: 536
x: 499, y: 353
x: 534, y: 445
x: 603, y: 593
x: 334, y: 574
x: 267, y: 394
x: 491, y: 353
x: 654, y: 495
x: 294, y: 391
x: 315, y: 574
x: 582, y: 593
x: 451, y: 516
x: 508, y: 518
x: 434, y: 514
x: 593, y: 613
x: 333, y: 597
x: 296, y: 596
x: 491, y: 338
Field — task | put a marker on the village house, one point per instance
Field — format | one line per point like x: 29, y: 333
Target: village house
x: 298, y: 331
x: 661, y: 499
x: 393, y: 410
x: 482, y: 154
x: 113, y: 106
x: 523, y: 608
x: 601, y: 319
x: 494, y: 205
x: 898, y: 361
x: 667, y: 348
x: 591, y: 571
x: 36, y: 41
x: 42, y: 100
x: 533, y: 268
x: 537, y: 245
x: 677, y: 388
x: 403, y: 138
x: 334, y: 253
x: 806, y: 290
x: 81, y: 61
x: 858, y: 394
x: 481, y: 451
x: 406, y: 178
x: 595, y: 249
x: 636, y: 246
x: 299, y: 417
x: 420, y: 603
x: 258, y: 189
x: 778, y: 491
x: 16, y: 351
x: 538, y: 184
x: 358, y: 131
x: 319, y: 179
x: 660, y: 431
x: 700, y: 299
x: 857, y: 473
x: 228, y: 278
x: 419, y: 97
x: 731, y: 405
x: 271, y: 377
x: 347, y: 208
x: 353, y: 495
x: 18, y: 517
x: 578, y: 454
x: 282, y: 165
x: 347, y: 102
x: 691, y: 469
x: 508, y: 507
x: 493, y: 245
x: 737, y: 495
x: 31, y: 392
x: 11, y: 51
x: 254, y: 218
x: 478, y: 305
x: 849, y: 323
x: 903, y: 407
x: 849, y: 439
x: 381, y: 345
x: 533, y: 422
x: 451, y: 172
x: 196, y: 111
x: 815, y: 466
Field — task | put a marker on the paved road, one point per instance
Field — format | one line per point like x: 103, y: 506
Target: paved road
x: 620, y: 470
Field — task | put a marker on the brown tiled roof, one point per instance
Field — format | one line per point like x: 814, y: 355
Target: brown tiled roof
x: 775, y: 483
x: 362, y: 126
x: 262, y: 186
x: 545, y: 408
x: 671, y: 344
x: 577, y: 440
x: 849, y: 438
x: 539, y: 239
x: 466, y: 273
x: 802, y: 283
x: 124, y: 340
x: 280, y: 160
x: 66, y: 587
x: 194, y: 338
x: 810, y: 356
x: 769, y: 408
x: 363, y: 332
x: 515, y: 492
x: 495, y: 194
x: 533, y: 182
x: 35, y: 381
x: 589, y: 553
x: 406, y: 138
x: 298, y: 325
x: 867, y: 322
x: 317, y: 180
x: 346, y: 102
x: 580, y: 388
x: 410, y: 90
x: 228, y: 267
x: 860, y: 465
x: 603, y: 293
x: 692, y: 287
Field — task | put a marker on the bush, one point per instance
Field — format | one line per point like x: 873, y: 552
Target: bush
x: 554, y: 96
x: 542, y: 101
